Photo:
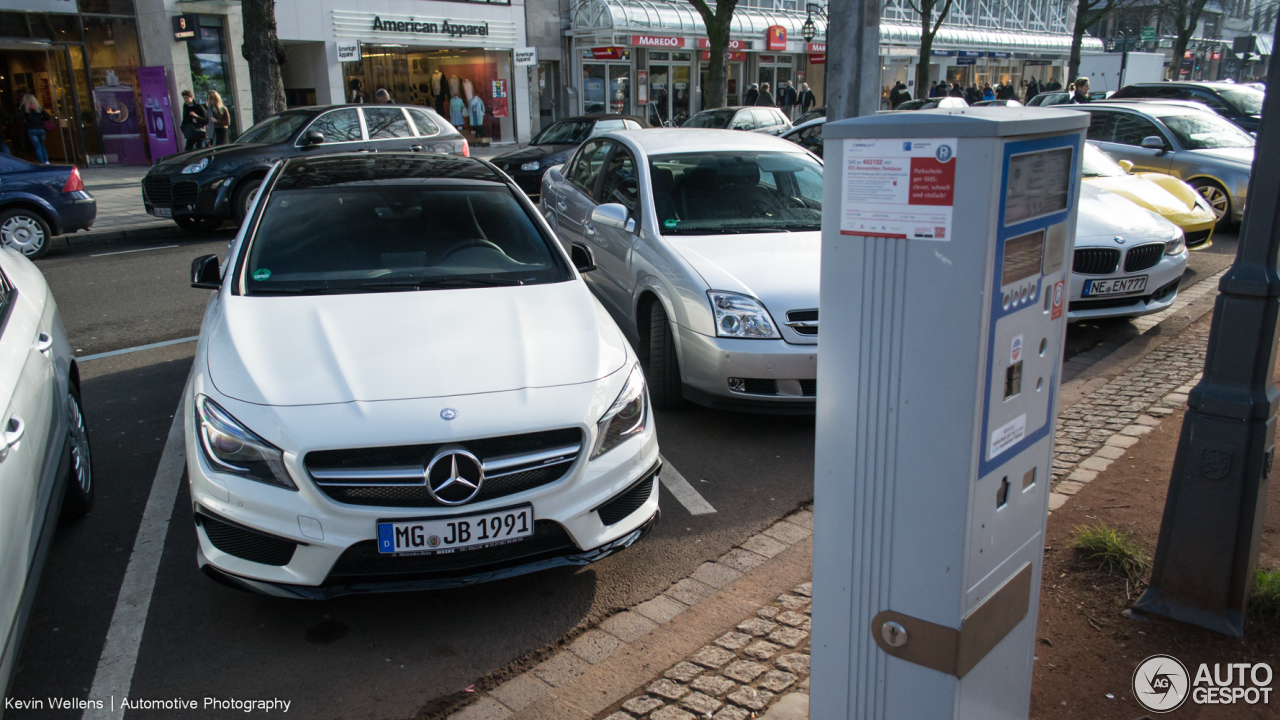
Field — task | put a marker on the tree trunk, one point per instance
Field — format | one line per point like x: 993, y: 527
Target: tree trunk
x: 716, y: 92
x: 926, y: 50
x: 1077, y: 39
x: 265, y: 53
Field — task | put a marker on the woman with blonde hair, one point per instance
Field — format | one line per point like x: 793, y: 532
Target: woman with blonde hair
x: 34, y: 115
x: 220, y: 116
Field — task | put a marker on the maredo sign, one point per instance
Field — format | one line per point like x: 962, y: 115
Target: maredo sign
x: 733, y: 44
x: 657, y: 41
x: 606, y: 53
x: 775, y: 38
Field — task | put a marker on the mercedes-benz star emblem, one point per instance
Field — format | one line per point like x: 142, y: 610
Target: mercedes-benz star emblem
x: 448, y: 414
x: 454, y: 477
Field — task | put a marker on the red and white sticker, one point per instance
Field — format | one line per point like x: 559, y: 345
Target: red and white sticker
x: 1059, y: 290
x: 898, y: 188
x: 1015, y: 349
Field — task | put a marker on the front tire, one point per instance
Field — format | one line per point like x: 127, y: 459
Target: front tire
x: 79, y: 497
x: 1217, y: 197
x: 25, y: 231
x: 244, y: 198
x: 662, y: 366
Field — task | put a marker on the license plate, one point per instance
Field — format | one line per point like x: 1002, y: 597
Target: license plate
x: 1117, y: 286
x: 436, y: 536
x: 162, y: 212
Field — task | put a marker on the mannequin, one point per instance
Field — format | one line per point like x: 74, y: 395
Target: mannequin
x: 456, y: 108
x: 454, y: 90
x: 468, y: 91
x: 475, y: 109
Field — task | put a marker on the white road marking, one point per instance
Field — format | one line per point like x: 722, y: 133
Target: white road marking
x: 683, y: 491
x: 126, y: 351
x: 123, y: 252
x: 114, y: 676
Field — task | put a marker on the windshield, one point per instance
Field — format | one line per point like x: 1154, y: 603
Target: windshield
x: 1204, y: 131
x: 711, y: 119
x: 715, y: 193
x: 1245, y: 99
x: 565, y: 132
x: 275, y: 129
x: 376, y: 237
x: 1099, y: 164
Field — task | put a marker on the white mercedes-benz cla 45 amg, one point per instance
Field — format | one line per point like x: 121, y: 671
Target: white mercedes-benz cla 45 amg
x: 402, y: 382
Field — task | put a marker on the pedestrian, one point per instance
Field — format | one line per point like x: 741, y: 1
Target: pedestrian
x: 765, y: 98
x: 1081, y: 94
x: 988, y: 93
x: 1033, y: 89
x: 787, y: 99
x: 807, y: 99
x: 898, y: 95
x: 933, y: 89
x: 194, y: 120
x: 972, y: 94
x: 355, y: 87
x: 221, y: 118
x: 4, y: 126
x: 35, y: 117
x: 955, y: 91
x: 753, y: 92
x: 382, y: 96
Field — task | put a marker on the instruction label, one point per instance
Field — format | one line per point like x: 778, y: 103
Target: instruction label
x: 898, y: 188
x: 1006, y: 436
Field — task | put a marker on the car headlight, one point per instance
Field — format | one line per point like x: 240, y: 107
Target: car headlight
x: 529, y: 166
x: 741, y: 316
x: 1176, y: 244
x: 625, y: 418
x: 195, y: 167
x: 232, y: 448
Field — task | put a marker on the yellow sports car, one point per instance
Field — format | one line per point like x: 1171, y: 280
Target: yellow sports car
x: 1165, y: 195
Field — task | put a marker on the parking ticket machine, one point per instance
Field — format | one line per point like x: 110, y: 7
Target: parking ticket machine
x: 946, y: 252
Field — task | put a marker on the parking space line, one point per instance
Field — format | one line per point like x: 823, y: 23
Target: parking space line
x: 124, y: 252
x: 114, y: 676
x: 683, y: 491
x: 126, y: 351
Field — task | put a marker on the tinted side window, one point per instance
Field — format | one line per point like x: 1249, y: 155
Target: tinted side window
x: 1130, y: 129
x: 621, y: 184
x: 811, y: 138
x: 1208, y: 98
x: 764, y: 118
x: 338, y: 126
x: 426, y: 126
x: 779, y: 118
x: 386, y: 123
x: 1101, y: 126
x: 631, y: 124
x: 587, y: 167
x: 743, y: 121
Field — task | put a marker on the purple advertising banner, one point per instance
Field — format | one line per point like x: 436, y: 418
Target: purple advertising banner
x: 162, y: 134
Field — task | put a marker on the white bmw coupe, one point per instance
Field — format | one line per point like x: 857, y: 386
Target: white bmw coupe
x: 402, y: 382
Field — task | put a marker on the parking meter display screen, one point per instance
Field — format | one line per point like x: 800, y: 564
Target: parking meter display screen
x: 1022, y: 256
x: 1038, y: 184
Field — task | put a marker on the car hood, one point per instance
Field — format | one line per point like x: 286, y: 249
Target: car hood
x: 1240, y: 155
x: 1104, y: 216
x: 322, y: 349
x: 1156, y: 193
x: 234, y: 151
x: 533, y: 152
x: 780, y: 269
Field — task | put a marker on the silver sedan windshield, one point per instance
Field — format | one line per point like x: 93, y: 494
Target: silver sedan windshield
x: 713, y: 193
x: 1203, y: 131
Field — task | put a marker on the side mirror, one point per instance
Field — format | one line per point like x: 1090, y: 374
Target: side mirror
x: 205, y: 273
x: 313, y: 137
x: 612, y: 215
x: 1153, y: 142
x: 581, y: 256
x: 1126, y: 165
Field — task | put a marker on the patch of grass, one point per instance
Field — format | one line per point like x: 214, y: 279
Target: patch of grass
x: 1265, y: 603
x: 1113, y: 551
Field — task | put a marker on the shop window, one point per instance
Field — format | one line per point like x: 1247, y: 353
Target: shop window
x: 207, y: 52
x: 338, y: 126
x: 57, y: 27
x: 14, y: 24
x: 113, y: 118
x: 107, y: 7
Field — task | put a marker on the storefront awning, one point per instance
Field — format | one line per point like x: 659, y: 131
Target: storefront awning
x: 604, y: 17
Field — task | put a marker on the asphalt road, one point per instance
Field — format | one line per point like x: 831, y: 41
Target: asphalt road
x: 357, y: 657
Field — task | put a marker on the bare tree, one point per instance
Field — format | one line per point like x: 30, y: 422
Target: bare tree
x: 1183, y: 16
x: 928, y: 28
x: 265, y: 53
x: 717, y: 19
x: 1088, y: 13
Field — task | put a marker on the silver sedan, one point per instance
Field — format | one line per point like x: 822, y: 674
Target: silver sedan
x: 706, y: 247
x: 1182, y: 139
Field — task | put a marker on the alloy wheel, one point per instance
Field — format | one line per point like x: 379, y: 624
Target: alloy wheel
x: 23, y: 233
x: 81, y: 468
x: 1217, y: 199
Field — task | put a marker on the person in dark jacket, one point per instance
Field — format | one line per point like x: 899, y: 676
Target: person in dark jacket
x: 787, y: 99
x: 1033, y: 89
x: 35, y: 117
x: 1081, y: 95
x: 753, y: 92
x: 194, y: 120
x: 933, y: 89
x: 956, y: 91
x: 972, y: 94
x: 898, y: 95
x: 806, y: 99
x: 765, y: 98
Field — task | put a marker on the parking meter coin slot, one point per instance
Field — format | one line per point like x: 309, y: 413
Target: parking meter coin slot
x: 1013, y: 380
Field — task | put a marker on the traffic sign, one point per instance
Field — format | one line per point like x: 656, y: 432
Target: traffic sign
x: 1148, y: 34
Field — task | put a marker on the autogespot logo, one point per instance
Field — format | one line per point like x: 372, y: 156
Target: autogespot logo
x: 1160, y: 683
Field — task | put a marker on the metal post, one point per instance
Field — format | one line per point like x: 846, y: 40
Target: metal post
x: 853, y: 58
x: 1212, y: 526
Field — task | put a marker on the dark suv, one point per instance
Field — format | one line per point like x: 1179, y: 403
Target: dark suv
x: 1240, y: 104
x: 203, y: 188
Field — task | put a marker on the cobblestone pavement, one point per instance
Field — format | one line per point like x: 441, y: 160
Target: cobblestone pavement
x: 739, y: 674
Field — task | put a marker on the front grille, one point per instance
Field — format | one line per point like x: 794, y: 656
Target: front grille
x: 1096, y: 261
x: 157, y: 190
x: 411, y: 490
x: 804, y: 322
x: 1198, y: 238
x: 621, y: 506
x: 247, y: 544
x: 1143, y: 257
x: 809, y: 388
x: 760, y: 386
x: 184, y: 193
x: 362, y: 560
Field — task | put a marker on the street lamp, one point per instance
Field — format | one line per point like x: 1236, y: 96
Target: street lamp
x: 1124, y: 33
x: 809, y: 31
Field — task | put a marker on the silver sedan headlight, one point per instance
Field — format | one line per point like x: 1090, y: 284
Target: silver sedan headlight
x: 741, y: 316
x: 625, y: 418
x: 232, y: 448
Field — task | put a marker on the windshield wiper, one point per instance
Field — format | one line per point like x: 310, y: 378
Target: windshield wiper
x: 304, y: 290
x: 443, y: 282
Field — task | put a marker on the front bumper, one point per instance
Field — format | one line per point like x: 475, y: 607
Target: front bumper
x: 777, y: 375
x: 196, y: 196
x: 1160, y: 293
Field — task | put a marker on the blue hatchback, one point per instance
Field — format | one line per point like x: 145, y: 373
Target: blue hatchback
x: 38, y: 202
